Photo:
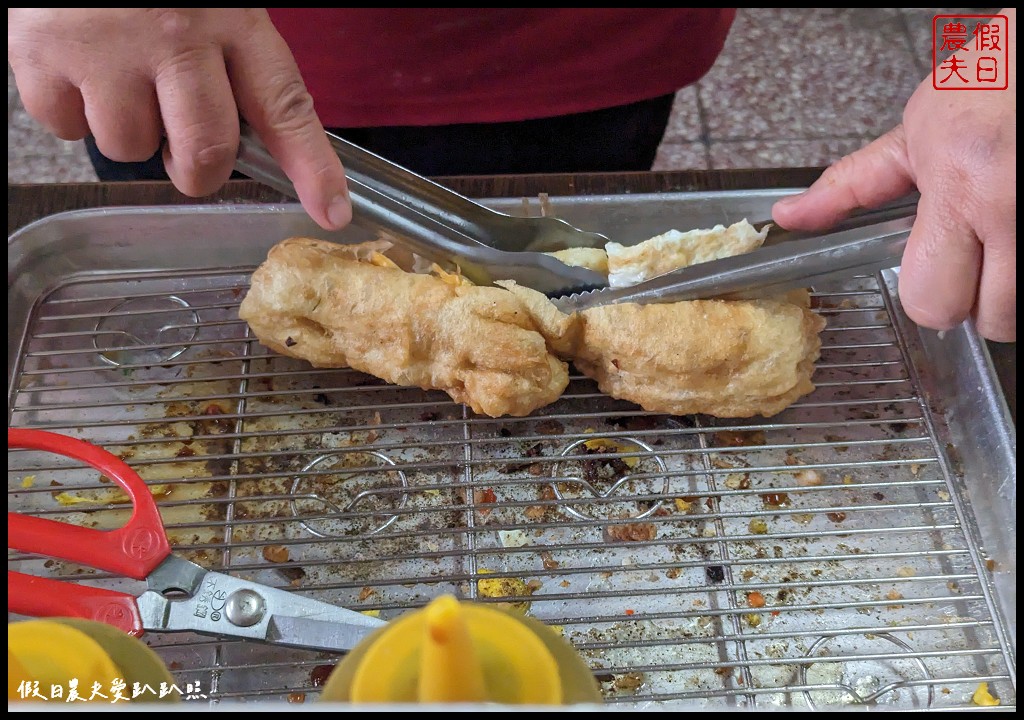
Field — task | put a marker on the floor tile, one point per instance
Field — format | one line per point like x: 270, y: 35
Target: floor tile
x: 681, y: 156
x: 685, y: 123
x: 790, y: 74
x: 27, y: 137
x: 780, y: 153
x: 51, y: 169
x: 12, y: 93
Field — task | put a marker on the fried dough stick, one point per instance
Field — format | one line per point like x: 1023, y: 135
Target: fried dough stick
x: 723, y: 358
x: 315, y: 300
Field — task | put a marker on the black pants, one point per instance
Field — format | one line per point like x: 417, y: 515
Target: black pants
x: 617, y: 139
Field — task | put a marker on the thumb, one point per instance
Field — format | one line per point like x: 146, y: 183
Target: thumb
x: 875, y: 174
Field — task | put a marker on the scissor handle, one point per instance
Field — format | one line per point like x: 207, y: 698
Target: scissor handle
x: 43, y: 597
x: 133, y: 550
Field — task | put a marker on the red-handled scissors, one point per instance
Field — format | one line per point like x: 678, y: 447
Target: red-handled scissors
x: 182, y: 596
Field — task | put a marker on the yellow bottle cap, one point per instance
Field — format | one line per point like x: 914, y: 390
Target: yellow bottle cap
x: 457, y: 652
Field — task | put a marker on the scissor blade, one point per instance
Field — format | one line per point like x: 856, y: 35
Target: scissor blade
x: 226, y: 605
x: 318, y: 634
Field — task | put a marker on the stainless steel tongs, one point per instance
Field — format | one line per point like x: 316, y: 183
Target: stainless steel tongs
x: 442, y: 225
x: 866, y: 242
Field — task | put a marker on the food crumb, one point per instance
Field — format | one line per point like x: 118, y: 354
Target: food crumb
x: 275, y: 553
x: 629, y: 682
x: 27, y: 481
x: 482, y: 496
x: 534, y: 512
x: 739, y: 438
x: 808, y: 478
x: 509, y: 587
x: 906, y: 572
x: 513, y: 538
x: 632, y: 532
x: 983, y: 697
x: 836, y: 517
x: 296, y: 697
x: 775, y: 499
x: 366, y: 592
x: 318, y: 675
x: 943, y: 496
x: 755, y: 599
x: 758, y: 526
x: 737, y: 481
x: 294, y: 575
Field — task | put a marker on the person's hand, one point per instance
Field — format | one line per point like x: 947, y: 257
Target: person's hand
x: 137, y: 77
x: 959, y: 149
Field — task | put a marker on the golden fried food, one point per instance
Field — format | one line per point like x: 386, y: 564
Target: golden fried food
x: 501, y: 349
x: 629, y: 265
x: 595, y: 259
x: 721, y: 358
x: 339, y: 306
x: 717, y: 357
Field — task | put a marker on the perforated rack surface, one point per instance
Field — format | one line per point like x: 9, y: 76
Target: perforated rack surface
x: 818, y: 558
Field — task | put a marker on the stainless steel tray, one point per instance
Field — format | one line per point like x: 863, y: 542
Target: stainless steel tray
x: 875, y: 518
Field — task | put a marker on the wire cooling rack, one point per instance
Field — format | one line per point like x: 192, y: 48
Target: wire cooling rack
x: 820, y: 558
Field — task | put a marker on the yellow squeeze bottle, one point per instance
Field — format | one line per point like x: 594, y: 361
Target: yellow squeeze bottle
x: 463, y: 652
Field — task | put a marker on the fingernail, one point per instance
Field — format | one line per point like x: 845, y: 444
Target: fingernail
x: 339, y: 212
x: 789, y: 200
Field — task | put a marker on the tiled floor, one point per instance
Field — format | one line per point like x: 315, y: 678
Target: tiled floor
x: 792, y: 88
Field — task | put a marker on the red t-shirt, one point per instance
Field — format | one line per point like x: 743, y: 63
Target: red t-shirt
x: 433, y: 66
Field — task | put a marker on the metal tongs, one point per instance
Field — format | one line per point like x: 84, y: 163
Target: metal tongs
x: 865, y: 242
x: 442, y: 225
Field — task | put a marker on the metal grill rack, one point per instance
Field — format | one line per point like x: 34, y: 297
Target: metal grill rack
x: 820, y: 558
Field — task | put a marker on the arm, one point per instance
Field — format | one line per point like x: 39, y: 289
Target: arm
x: 959, y: 149
x: 137, y: 78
